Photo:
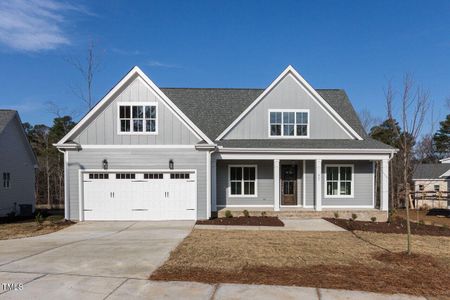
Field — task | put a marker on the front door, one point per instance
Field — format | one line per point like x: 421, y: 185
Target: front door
x: 288, y: 184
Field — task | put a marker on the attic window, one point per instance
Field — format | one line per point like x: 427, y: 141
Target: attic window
x: 137, y: 118
x: 289, y: 123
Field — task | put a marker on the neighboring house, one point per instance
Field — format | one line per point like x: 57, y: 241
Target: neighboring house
x: 150, y: 153
x: 432, y: 184
x: 17, y: 166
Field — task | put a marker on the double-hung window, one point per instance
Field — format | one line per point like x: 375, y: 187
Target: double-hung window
x: 339, y: 181
x: 289, y: 123
x: 242, y: 181
x: 138, y: 118
x: 6, y: 180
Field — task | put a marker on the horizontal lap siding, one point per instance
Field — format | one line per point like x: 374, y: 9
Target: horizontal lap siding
x: 264, y: 184
x: 16, y: 160
x: 139, y: 159
x: 363, y: 184
x: 309, y: 183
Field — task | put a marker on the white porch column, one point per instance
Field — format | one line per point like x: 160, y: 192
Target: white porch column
x: 276, y: 184
x: 66, y: 186
x: 208, y: 184
x: 213, y: 184
x: 384, y: 185
x: 318, y: 184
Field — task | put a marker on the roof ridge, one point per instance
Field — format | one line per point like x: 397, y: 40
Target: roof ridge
x: 228, y: 88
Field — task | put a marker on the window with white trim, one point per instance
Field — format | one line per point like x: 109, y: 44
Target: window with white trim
x: 339, y: 181
x: 242, y: 180
x: 138, y: 118
x: 292, y: 123
x: 6, y: 180
x: 437, y: 187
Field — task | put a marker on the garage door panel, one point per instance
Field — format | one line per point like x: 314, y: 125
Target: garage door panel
x: 140, y: 196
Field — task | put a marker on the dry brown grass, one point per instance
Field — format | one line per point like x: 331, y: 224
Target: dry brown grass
x: 28, y: 229
x: 421, y: 215
x: 318, y: 259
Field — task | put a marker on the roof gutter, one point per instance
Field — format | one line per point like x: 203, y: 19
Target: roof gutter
x: 221, y: 149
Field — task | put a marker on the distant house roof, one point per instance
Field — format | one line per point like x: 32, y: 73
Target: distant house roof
x: 6, y: 115
x: 431, y: 171
x: 214, y: 109
x: 445, y: 160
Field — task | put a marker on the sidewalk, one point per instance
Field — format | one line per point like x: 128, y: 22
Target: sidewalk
x: 141, y: 289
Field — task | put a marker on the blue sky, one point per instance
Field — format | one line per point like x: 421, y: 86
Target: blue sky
x: 354, y: 45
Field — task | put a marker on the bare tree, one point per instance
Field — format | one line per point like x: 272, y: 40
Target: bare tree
x: 414, y: 104
x: 87, y: 68
x: 367, y: 119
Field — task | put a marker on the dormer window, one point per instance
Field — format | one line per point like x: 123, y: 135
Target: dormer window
x: 137, y: 118
x: 289, y: 123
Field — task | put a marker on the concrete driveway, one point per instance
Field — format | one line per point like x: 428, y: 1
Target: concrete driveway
x: 89, y: 259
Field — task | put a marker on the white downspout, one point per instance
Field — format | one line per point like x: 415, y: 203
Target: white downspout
x: 66, y: 182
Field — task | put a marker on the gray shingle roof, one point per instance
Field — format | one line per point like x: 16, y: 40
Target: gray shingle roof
x: 430, y: 171
x: 6, y: 115
x: 368, y: 143
x: 214, y: 109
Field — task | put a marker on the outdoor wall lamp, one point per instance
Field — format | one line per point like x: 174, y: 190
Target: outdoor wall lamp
x: 105, y: 164
x: 171, y: 164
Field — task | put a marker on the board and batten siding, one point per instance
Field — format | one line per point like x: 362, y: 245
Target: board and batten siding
x: 16, y: 159
x: 264, y: 183
x: 139, y: 159
x: 288, y: 94
x: 103, y: 129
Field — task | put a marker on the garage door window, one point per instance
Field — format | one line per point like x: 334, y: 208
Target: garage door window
x: 98, y: 176
x: 153, y: 176
x: 179, y: 176
x: 125, y: 176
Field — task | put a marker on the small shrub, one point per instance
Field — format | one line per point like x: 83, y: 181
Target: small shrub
x: 11, y: 214
x: 263, y: 214
x: 54, y: 218
x: 373, y: 219
x: 421, y: 222
x: 246, y: 213
x: 39, y: 219
x: 228, y: 214
x: 354, y: 217
x: 336, y: 215
x: 445, y: 226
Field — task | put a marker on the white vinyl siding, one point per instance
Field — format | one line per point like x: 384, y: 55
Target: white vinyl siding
x: 339, y: 181
x: 289, y: 123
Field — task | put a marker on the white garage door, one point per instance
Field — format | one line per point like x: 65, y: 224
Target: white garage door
x: 140, y: 195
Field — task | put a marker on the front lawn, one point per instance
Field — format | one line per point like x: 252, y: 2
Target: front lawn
x: 346, y: 260
x: 29, y: 227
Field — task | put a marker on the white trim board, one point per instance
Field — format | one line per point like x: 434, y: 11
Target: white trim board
x: 238, y: 205
x: 309, y: 89
x: 136, y: 71
x: 137, y: 146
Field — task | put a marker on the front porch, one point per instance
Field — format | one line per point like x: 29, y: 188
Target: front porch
x: 308, y: 213
x: 299, y: 186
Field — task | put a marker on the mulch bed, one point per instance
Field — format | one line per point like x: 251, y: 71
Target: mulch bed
x: 397, y: 225
x: 401, y: 275
x: 244, y: 221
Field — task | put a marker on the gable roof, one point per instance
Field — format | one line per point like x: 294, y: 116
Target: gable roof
x: 131, y: 75
x: 308, y: 89
x: 214, y: 109
x: 6, y: 115
x: 430, y: 171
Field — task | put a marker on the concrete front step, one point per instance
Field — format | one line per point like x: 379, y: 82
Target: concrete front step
x: 362, y: 215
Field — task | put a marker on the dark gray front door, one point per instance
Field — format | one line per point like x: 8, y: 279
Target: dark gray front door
x: 288, y: 184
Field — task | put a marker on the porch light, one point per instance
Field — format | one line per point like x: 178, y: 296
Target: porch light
x: 105, y: 164
x: 171, y: 164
